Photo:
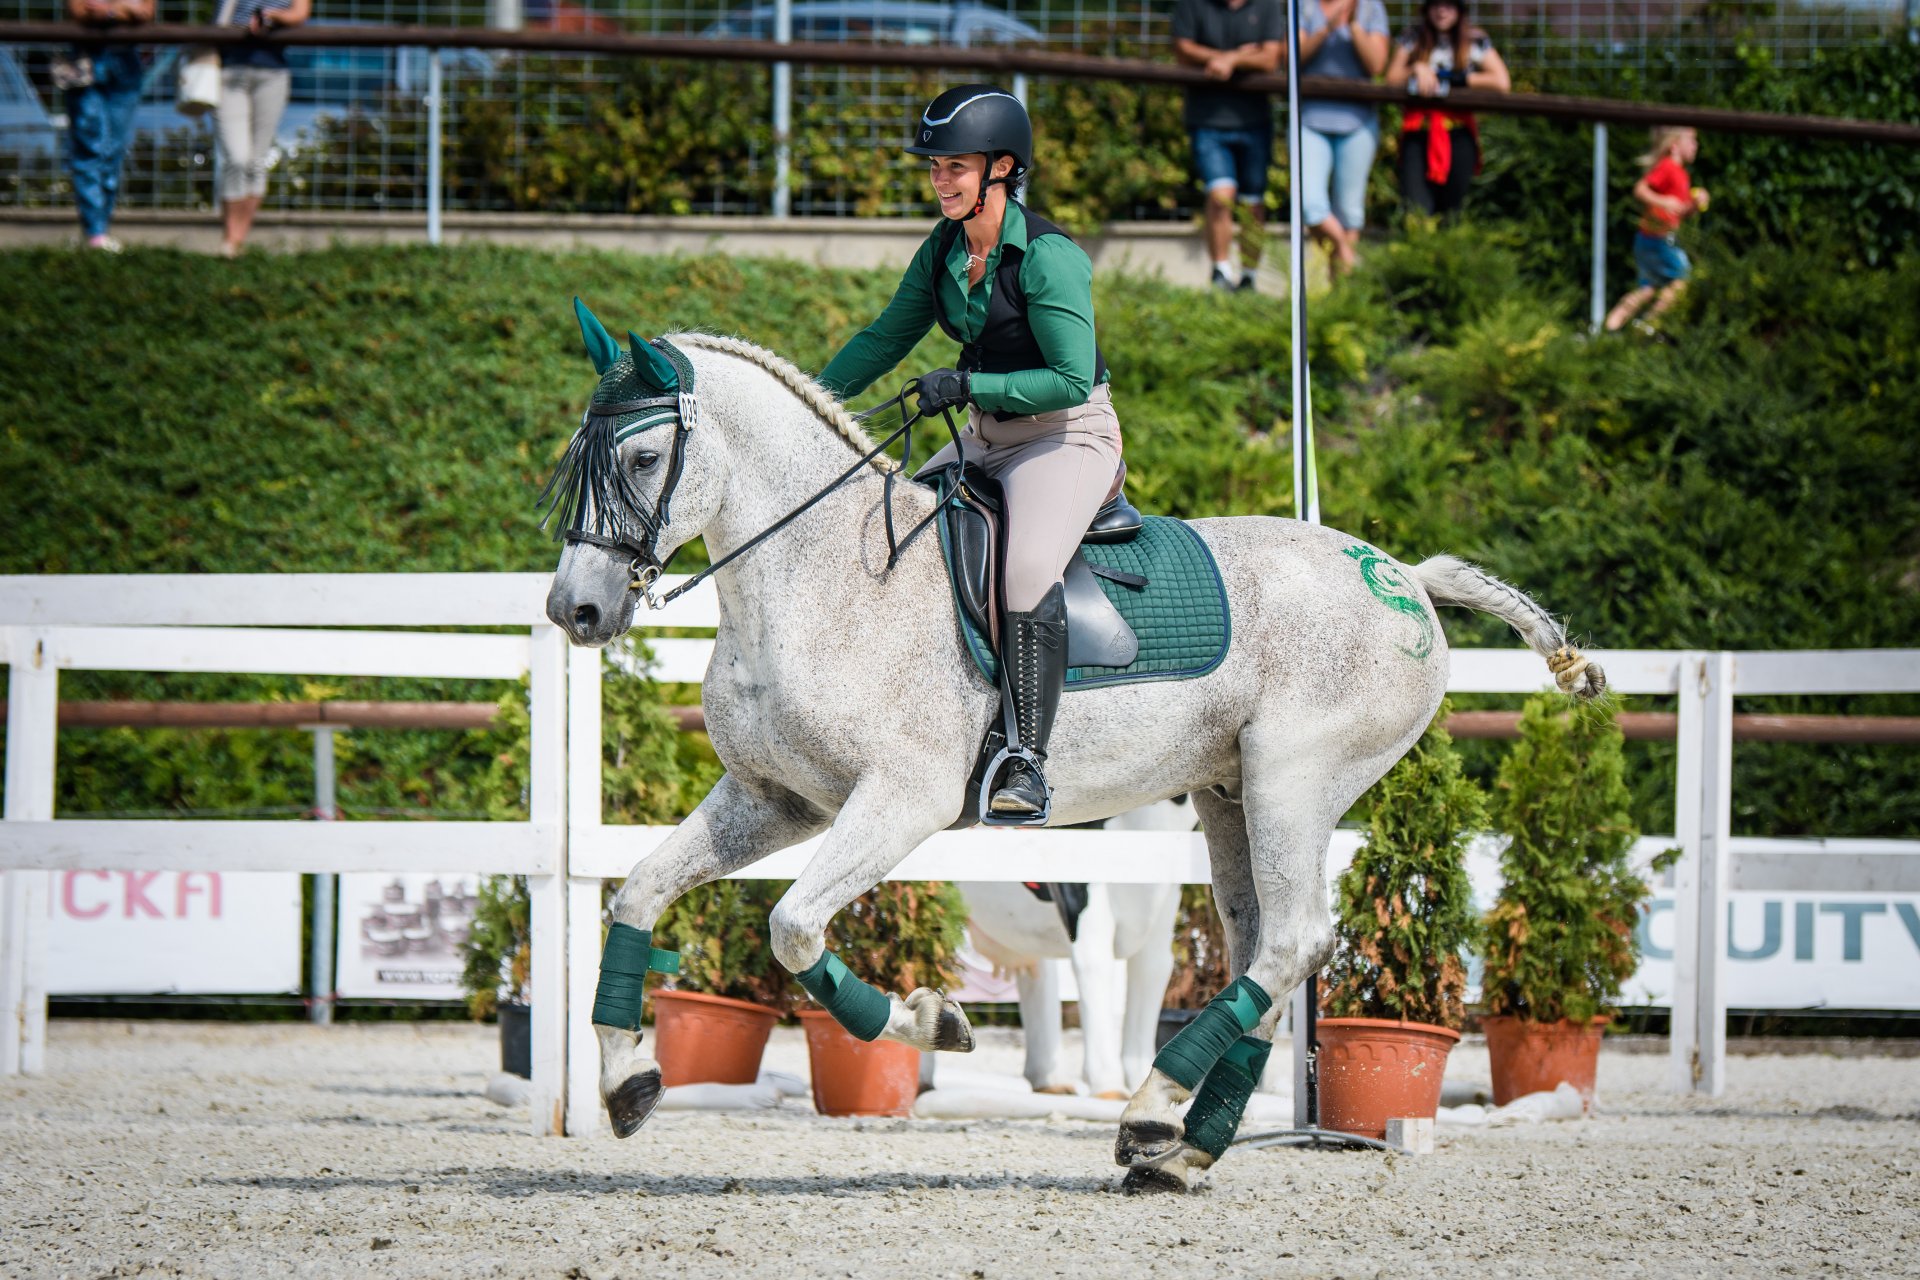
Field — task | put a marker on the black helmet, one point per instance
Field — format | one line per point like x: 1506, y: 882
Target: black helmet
x: 976, y: 118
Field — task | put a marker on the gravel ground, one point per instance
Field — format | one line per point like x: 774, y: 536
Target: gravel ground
x: 168, y: 1149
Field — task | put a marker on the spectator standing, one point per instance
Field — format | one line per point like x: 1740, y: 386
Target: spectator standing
x: 1439, y: 148
x: 1668, y: 194
x: 254, y: 84
x: 1231, y: 129
x: 101, y: 84
x: 1346, y: 39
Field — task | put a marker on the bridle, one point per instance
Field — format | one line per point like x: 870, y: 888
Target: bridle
x: 571, y: 491
x: 644, y: 566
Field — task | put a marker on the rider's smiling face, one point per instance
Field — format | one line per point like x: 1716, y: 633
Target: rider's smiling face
x: 956, y: 180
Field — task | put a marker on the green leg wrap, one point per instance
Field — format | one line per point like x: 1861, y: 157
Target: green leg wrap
x: 624, y: 963
x: 861, y: 1009
x: 1228, y: 1016
x: 1215, y: 1115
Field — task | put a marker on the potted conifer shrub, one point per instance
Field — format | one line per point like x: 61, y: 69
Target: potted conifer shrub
x: 498, y: 957
x: 1394, y: 994
x: 1560, y: 938
x: 712, y: 1023
x: 901, y: 935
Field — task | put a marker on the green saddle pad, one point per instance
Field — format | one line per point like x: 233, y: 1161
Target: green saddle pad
x: 1180, y: 616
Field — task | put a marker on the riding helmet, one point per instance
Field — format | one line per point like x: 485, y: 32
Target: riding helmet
x: 975, y: 118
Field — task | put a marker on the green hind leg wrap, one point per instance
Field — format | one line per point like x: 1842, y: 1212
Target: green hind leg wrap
x: 625, y: 961
x: 861, y: 1009
x: 1215, y: 1115
x: 1233, y: 1013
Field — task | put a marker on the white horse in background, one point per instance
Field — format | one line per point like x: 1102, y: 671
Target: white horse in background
x: 1121, y: 954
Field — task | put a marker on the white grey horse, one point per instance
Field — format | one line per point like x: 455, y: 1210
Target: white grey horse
x: 841, y: 699
x: 1121, y: 953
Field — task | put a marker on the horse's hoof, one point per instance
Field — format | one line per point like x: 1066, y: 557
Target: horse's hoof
x: 629, y: 1106
x: 939, y: 1024
x: 1151, y: 1180
x: 955, y: 1034
x: 1145, y: 1142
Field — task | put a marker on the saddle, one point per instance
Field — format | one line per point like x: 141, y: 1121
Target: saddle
x: 974, y: 519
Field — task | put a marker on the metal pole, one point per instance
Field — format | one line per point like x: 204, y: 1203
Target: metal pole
x: 1913, y: 21
x: 1599, y: 279
x: 1306, y: 506
x: 1020, y: 92
x: 320, y: 956
x: 433, y: 151
x: 783, y: 113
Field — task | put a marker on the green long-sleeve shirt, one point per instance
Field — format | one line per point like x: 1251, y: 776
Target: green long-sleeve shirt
x: 1057, y: 277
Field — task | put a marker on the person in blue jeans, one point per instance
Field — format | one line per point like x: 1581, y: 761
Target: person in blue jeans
x: 1232, y: 129
x: 1347, y: 39
x: 100, y: 115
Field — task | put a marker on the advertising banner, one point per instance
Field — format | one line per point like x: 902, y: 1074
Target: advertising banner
x: 1797, y: 951
x: 164, y: 932
x: 400, y: 935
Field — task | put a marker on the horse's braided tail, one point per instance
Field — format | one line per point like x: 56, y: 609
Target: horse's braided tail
x: 1453, y: 581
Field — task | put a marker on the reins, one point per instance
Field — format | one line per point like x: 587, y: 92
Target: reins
x: 646, y: 576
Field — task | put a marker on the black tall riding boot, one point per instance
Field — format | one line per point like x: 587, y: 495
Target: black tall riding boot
x: 1035, y: 654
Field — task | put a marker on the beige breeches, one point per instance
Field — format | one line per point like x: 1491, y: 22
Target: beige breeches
x: 1056, y: 469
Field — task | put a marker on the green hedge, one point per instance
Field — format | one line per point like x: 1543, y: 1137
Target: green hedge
x: 1753, y: 485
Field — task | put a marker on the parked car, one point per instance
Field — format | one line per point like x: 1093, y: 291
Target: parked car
x: 882, y: 21
x: 328, y: 83
x: 27, y: 131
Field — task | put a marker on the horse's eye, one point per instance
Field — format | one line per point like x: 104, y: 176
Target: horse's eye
x: 645, y: 461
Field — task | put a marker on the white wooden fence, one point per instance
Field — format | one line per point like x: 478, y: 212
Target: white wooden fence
x: 290, y: 624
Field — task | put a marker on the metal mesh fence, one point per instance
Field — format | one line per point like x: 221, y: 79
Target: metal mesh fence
x: 549, y: 132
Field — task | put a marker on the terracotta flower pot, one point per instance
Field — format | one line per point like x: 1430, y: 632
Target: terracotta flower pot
x: 1373, y: 1070
x: 709, y: 1039
x: 854, y: 1077
x: 1535, y: 1057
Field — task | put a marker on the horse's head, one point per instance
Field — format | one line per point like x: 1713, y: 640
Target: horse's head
x: 635, y: 484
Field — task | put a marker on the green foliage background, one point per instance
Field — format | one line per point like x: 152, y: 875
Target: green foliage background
x: 1752, y: 485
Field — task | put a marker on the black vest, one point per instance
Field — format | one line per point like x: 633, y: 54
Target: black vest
x: 1006, y: 343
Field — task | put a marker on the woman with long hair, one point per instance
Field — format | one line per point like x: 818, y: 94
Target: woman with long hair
x: 1440, y: 148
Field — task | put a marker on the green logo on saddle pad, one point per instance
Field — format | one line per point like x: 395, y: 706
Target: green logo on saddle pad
x: 1391, y: 588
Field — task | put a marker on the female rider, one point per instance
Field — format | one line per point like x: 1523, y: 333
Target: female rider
x: 1017, y: 294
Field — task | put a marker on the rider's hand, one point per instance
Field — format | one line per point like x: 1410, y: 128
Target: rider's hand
x: 1428, y: 83
x: 944, y: 389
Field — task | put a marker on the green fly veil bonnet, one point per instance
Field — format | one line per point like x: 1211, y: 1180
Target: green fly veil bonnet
x: 590, y: 495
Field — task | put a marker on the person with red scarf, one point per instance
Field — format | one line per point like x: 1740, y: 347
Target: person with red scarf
x: 1440, y: 148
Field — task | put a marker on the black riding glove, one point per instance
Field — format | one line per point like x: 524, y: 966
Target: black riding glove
x: 945, y: 389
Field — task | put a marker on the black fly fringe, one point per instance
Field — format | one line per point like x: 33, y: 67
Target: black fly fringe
x: 590, y: 491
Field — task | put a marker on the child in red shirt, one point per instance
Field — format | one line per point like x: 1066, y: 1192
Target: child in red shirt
x: 1668, y: 195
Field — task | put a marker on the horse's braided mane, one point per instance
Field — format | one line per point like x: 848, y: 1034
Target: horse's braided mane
x: 817, y: 397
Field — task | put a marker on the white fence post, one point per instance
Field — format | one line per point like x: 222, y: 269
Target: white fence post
x: 1716, y: 834
x: 33, y: 704
x: 583, y: 892
x: 1702, y: 820
x: 546, y: 805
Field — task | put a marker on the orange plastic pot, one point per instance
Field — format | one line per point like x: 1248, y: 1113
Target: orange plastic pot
x: 709, y: 1039
x: 1373, y: 1070
x: 1536, y: 1057
x: 854, y: 1077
